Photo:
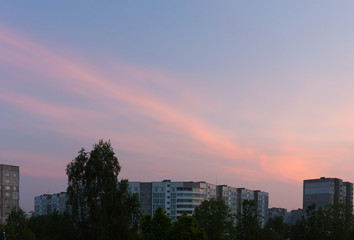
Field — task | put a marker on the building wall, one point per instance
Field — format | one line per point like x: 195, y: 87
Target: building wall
x: 276, y: 212
x: 178, y: 197
x: 174, y: 197
x: 262, y: 201
x: 229, y: 195
x: 326, y: 191
x: 9, y: 190
x: 349, y: 193
x: 49, y: 203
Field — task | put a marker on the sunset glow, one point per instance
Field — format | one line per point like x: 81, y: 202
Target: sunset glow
x: 224, y: 97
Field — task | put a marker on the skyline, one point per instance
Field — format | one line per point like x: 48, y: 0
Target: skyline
x: 255, y: 95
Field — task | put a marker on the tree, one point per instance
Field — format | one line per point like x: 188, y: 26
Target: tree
x: 215, y: 218
x: 101, y: 206
x: 54, y: 226
x: 332, y: 222
x: 161, y: 225
x: 17, y: 221
x: 248, y: 225
x: 275, y: 228
x: 156, y: 228
x: 186, y: 228
x: 146, y: 232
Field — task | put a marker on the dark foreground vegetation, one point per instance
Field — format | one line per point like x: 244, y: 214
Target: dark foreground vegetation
x: 101, y: 208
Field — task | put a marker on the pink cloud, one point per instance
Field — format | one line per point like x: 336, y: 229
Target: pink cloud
x: 93, y: 84
x: 37, y: 164
x: 123, y: 89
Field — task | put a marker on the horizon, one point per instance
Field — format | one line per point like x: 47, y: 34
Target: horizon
x: 252, y: 94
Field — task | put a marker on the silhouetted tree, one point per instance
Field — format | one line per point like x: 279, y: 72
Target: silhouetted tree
x: 54, y: 226
x: 102, y: 207
x: 248, y: 226
x: 17, y: 221
x: 215, y: 217
x: 275, y: 228
x: 333, y: 222
x: 161, y: 225
x: 186, y: 228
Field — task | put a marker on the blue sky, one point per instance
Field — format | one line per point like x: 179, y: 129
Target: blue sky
x: 255, y: 94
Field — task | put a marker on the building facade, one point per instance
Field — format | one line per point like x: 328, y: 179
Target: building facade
x: 326, y: 191
x: 9, y: 190
x: 262, y: 202
x: 229, y: 195
x: 178, y: 197
x: 174, y: 197
x: 49, y: 203
x: 276, y: 212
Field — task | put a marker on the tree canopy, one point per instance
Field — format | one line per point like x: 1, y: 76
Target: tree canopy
x: 101, y: 206
x: 216, y: 219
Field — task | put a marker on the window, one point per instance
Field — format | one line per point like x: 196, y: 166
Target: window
x: 7, y: 180
x: 14, y: 175
x: 7, y: 174
x: 7, y: 194
x: 15, y: 195
x: 7, y: 187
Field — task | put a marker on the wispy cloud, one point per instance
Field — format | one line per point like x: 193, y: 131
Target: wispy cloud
x: 95, y: 84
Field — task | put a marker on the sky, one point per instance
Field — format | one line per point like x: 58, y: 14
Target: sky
x: 254, y: 94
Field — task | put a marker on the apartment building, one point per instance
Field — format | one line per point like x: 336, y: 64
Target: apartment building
x: 277, y: 212
x: 49, y: 203
x: 9, y: 190
x: 178, y: 197
x: 174, y: 197
x: 229, y: 195
x: 262, y: 201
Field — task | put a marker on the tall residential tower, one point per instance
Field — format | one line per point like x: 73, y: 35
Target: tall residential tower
x: 9, y: 190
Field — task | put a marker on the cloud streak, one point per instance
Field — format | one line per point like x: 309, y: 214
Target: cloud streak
x: 152, y: 116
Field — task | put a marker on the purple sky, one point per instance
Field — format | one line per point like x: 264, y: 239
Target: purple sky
x: 255, y: 94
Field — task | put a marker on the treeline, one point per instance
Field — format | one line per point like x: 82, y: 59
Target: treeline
x: 101, y: 208
x: 212, y: 220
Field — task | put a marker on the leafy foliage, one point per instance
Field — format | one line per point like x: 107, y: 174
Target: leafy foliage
x: 102, y: 207
x: 248, y: 225
x: 333, y: 222
x: 186, y: 228
x: 17, y: 226
x: 215, y: 218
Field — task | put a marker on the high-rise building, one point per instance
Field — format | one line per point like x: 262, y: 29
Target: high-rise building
x: 179, y: 197
x: 49, y: 203
x: 242, y: 195
x: 174, y: 197
x: 229, y: 195
x: 326, y: 191
x: 262, y: 200
x: 9, y: 190
x: 234, y: 197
